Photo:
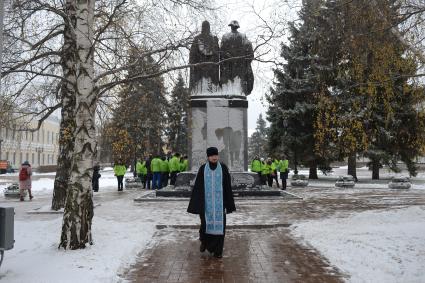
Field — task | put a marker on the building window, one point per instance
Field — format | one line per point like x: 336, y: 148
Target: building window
x: 27, y: 157
x: 7, y: 155
x: 32, y: 136
x: 42, y: 139
x: 7, y: 133
x: 43, y: 158
x: 32, y: 159
x: 14, y: 158
x: 53, y: 134
x: 20, y: 158
x: 38, y: 136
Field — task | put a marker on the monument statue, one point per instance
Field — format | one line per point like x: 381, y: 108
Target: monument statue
x: 236, y: 75
x: 204, y: 79
x: 219, y: 107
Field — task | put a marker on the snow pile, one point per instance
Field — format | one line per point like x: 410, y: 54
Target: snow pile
x: 36, y: 258
x: 372, y: 246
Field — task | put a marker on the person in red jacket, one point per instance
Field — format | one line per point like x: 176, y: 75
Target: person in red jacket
x: 25, y: 173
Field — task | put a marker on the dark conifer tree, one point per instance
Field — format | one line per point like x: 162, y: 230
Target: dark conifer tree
x: 293, y: 100
x: 178, y: 113
x: 138, y: 123
x: 257, y: 145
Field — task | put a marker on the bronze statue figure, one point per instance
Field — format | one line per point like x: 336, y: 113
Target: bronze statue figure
x: 204, y: 79
x: 236, y: 57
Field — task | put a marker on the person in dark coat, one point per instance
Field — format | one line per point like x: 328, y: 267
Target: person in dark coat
x: 95, y: 179
x: 148, y: 173
x: 212, y: 199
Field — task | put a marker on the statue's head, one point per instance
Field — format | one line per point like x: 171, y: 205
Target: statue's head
x: 234, y: 25
x: 205, y: 27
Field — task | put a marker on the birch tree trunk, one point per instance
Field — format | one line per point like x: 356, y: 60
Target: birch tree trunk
x: 67, y: 126
x: 78, y: 214
x: 1, y: 38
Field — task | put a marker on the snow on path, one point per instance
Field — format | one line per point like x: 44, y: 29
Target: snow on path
x: 372, y: 246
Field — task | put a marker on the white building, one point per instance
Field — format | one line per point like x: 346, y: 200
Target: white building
x: 39, y: 147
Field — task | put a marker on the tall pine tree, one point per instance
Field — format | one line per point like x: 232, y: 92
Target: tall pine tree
x: 138, y: 123
x: 257, y: 145
x: 292, y: 111
x: 178, y: 113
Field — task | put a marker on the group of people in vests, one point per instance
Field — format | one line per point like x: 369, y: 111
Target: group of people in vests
x: 155, y: 170
x: 268, y: 170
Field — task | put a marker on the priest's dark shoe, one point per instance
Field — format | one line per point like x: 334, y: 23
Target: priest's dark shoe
x: 218, y: 255
x: 203, y: 247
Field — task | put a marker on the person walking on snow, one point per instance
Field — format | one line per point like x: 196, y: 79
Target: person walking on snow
x: 25, y: 173
x: 212, y: 199
x: 165, y: 168
x: 275, y: 168
x: 119, y: 171
x: 156, y: 171
x: 284, y: 171
x: 174, y: 165
x: 95, y: 179
x: 269, y: 172
x: 256, y: 166
x: 141, y: 171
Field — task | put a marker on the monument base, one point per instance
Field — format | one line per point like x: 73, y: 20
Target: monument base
x: 243, y: 184
x: 219, y: 121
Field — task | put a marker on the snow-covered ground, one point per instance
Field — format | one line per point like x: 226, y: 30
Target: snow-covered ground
x: 372, y: 246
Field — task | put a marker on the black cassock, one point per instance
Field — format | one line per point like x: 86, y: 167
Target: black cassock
x: 213, y: 243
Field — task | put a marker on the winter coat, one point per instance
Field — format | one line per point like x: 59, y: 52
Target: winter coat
x: 181, y: 166
x: 197, y: 200
x: 26, y: 184
x: 273, y: 166
x: 283, y: 165
x: 95, y: 179
x: 185, y: 165
x: 265, y: 169
x: 148, y: 166
x: 256, y: 165
x: 156, y: 165
x: 164, y: 166
x: 174, y: 164
x: 141, y: 168
x: 276, y: 164
x: 119, y: 170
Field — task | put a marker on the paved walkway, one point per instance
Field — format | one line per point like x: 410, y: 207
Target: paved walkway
x: 260, y: 255
x: 254, y: 255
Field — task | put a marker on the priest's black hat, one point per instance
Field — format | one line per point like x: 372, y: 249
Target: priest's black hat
x: 212, y: 151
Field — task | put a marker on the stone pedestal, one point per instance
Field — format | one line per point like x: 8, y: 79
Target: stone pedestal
x: 219, y: 121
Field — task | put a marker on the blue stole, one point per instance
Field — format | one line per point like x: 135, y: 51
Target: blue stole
x: 213, y: 184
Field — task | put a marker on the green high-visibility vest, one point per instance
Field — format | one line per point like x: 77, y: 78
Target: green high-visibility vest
x: 283, y: 165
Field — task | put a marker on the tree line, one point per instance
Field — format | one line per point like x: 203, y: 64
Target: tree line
x: 348, y: 88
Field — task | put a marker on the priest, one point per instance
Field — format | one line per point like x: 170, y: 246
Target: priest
x: 212, y: 199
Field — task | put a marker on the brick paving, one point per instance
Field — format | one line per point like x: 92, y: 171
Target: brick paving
x: 254, y: 255
x: 267, y: 253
